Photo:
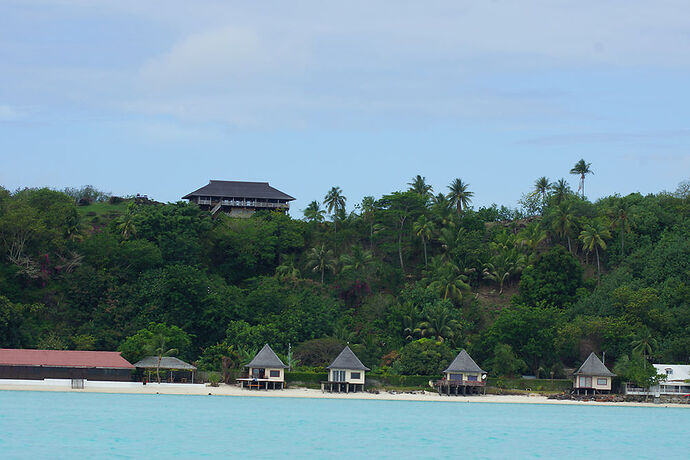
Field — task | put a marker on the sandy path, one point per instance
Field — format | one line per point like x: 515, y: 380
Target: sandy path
x: 230, y: 390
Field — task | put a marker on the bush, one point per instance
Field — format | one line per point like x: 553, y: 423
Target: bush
x: 116, y: 200
x: 213, y: 378
x: 424, y: 357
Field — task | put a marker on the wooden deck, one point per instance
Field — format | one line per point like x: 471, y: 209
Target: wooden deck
x: 460, y: 387
x: 341, y: 387
x: 261, y: 384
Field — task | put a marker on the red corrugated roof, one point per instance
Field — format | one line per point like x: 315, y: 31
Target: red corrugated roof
x: 63, y: 358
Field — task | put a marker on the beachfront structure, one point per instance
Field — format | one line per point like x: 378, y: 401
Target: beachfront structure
x: 239, y: 199
x: 266, y: 371
x: 593, y: 376
x: 177, y: 370
x: 346, y: 373
x: 463, y: 375
x: 675, y: 382
x: 78, y: 366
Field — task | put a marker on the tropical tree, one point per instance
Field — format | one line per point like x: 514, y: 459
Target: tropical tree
x: 288, y: 269
x: 531, y: 237
x: 423, y: 228
x: 368, y: 207
x: 449, y: 281
x: 439, y: 323
x: 359, y: 260
x: 459, y: 194
x: 561, y: 190
x: 503, y: 266
x: 335, y: 204
x: 542, y: 186
x: 313, y: 212
x: 645, y: 343
x: 320, y: 259
x: 419, y: 186
x: 592, y: 238
x: 620, y: 215
x: 582, y: 168
x: 563, y: 221
x: 158, y: 347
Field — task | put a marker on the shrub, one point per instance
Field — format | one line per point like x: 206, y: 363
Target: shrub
x: 116, y: 200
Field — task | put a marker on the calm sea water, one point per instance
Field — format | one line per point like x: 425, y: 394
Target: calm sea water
x: 81, y: 425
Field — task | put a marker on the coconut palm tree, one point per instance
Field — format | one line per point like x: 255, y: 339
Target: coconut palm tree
x: 359, y: 260
x: 335, y: 205
x: 439, y: 323
x: 157, y: 346
x: 561, y: 190
x: 449, y: 282
x: 368, y: 208
x: 423, y: 228
x: 531, y: 237
x: 582, y: 168
x: 287, y: 270
x: 563, y: 221
x: 420, y: 186
x: 320, y: 259
x: 503, y: 266
x: 313, y: 212
x: 442, y: 211
x: 644, y: 344
x: 592, y: 238
x: 542, y: 187
x: 620, y: 215
x: 459, y: 194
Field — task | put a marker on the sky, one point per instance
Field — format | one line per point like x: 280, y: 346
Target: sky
x: 158, y: 97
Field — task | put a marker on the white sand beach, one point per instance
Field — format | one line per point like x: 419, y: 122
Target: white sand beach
x: 232, y: 390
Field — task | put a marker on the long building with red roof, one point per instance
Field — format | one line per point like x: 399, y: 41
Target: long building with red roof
x: 63, y: 364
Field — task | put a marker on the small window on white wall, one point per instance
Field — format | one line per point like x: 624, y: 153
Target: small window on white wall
x: 602, y: 381
x: 275, y: 373
x: 355, y: 375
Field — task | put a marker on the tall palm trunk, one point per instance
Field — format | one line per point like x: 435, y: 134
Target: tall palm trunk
x: 322, y: 270
x: 424, y: 245
x: 570, y: 249
x: 596, y: 249
x: 622, y: 237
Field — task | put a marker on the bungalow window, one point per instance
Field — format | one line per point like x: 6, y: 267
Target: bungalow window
x: 338, y: 376
x: 472, y: 378
x: 602, y: 381
x: 275, y: 373
x: 455, y: 377
x: 355, y: 375
x: 585, y: 382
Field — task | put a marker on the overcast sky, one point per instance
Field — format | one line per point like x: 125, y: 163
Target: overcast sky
x: 159, y: 97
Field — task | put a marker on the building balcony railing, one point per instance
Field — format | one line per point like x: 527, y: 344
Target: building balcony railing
x: 461, y: 383
x: 246, y: 203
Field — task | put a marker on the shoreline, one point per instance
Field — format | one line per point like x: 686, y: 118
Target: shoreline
x: 231, y: 390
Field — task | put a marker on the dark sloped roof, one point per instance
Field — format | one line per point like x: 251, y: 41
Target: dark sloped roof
x: 463, y: 363
x: 167, y: 362
x: 266, y: 358
x: 347, y: 360
x: 227, y: 188
x: 63, y: 358
x: 594, y: 366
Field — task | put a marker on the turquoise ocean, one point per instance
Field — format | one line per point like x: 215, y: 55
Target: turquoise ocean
x: 90, y: 425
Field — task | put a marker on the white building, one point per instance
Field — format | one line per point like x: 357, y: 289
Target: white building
x: 677, y: 382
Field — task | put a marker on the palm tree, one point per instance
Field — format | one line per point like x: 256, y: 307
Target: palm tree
x: 320, y: 259
x: 423, y: 228
x: 449, y: 281
x: 438, y: 323
x: 582, y: 168
x: 358, y: 261
x: 561, y: 190
x: 335, y: 204
x: 420, y: 186
x: 287, y: 270
x: 313, y: 212
x: 592, y: 238
x: 563, y: 221
x: 542, y: 187
x: 368, y: 207
x: 531, y: 237
x: 504, y: 265
x: 620, y: 219
x: 644, y: 344
x: 459, y: 194
x: 157, y: 346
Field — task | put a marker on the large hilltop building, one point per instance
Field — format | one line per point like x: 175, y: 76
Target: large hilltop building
x: 239, y: 199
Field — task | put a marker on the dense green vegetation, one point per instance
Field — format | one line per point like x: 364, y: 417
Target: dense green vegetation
x: 407, y: 279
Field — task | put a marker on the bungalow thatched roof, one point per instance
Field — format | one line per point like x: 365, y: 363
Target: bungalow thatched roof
x: 266, y: 358
x: 463, y: 363
x: 167, y: 362
x: 347, y: 360
x: 594, y: 366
